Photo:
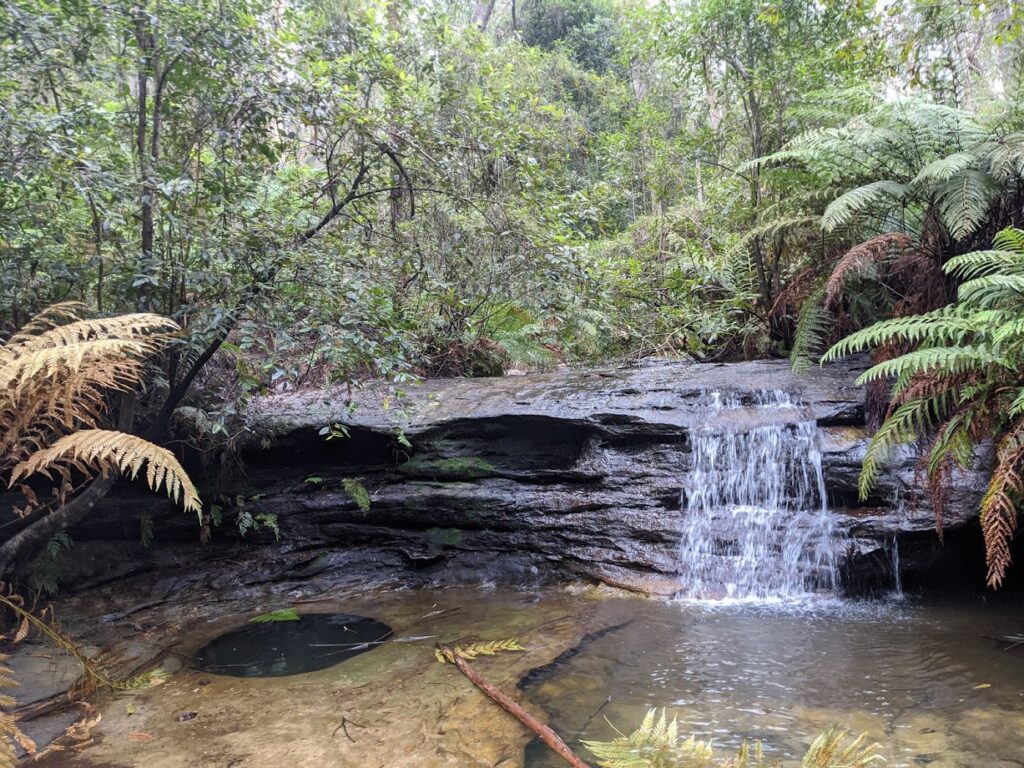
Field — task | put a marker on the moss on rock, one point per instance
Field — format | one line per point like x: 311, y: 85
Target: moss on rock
x: 454, y: 468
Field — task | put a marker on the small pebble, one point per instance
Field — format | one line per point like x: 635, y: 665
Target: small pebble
x: 185, y: 716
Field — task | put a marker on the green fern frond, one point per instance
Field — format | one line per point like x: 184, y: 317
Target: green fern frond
x: 981, y: 263
x: 990, y: 290
x: 829, y: 751
x: 812, y: 329
x: 1017, y: 406
x: 877, y: 194
x: 944, y: 325
x: 778, y: 226
x: 1010, y: 239
x: 946, y: 168
x: 964, y: 202
x: 950, y: 360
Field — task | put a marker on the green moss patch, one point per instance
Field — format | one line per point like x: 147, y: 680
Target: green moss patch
x: 455, y: 468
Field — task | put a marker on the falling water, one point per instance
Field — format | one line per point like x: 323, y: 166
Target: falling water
x: 757, y: 524
x: 897, y: 576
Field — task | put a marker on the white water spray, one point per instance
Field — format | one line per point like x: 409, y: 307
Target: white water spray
x: 756, y: 524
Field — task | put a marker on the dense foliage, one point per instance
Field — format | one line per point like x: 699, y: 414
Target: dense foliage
x: 336, y: 190
x: 961, y: 383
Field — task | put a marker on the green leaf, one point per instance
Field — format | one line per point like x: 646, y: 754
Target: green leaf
x: 285, y: 614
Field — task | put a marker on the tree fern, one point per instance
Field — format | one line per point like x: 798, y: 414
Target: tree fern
x: 963, y: 381
x: 56, y: 375
x: 108, y: 451
x: 927, y: 172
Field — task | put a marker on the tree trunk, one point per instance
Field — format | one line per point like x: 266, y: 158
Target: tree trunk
x: 144, y: 39
x: 482, y: 14
x: 24, y: 545
x: 544, y: 732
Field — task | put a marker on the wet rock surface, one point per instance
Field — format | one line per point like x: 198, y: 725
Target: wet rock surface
x: 547, y: 476
x: 571, y: 472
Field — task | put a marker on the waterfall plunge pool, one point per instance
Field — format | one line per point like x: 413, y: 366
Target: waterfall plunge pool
x: 926, y: 681
x: 922, y: 679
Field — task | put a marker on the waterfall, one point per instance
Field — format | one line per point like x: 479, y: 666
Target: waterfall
x: 756, y: 524
x: 897, y: 576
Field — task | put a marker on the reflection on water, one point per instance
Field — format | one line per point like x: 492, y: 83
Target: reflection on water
x: 291, y: 647
x: 922, y: 680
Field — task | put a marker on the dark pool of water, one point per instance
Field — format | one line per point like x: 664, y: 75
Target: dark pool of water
x: 279, y: 648
x: 923, y: 680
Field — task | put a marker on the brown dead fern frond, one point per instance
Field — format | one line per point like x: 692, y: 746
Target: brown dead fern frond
x: 56, y: 376
x: 109, y: 452
x: 860, y: 257
x: 11, y: 736
x: 999, y: 505
x: 134, y: 326
x: 49, y: 318
x: 113, y: 356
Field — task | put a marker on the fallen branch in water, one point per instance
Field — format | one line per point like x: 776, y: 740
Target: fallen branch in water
x: 503, y: 700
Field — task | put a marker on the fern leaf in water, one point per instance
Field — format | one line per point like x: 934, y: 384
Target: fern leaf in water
x: 110, y: 451
x: 655, y: 744
x: 446, y: 654
x: 830, y: 750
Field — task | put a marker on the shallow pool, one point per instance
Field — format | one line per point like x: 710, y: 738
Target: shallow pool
x: 923, y: 680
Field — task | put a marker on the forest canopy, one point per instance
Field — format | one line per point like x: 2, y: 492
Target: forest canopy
x: 323, y: 191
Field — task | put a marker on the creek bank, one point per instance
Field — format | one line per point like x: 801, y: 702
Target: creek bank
x: 393, y: 706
